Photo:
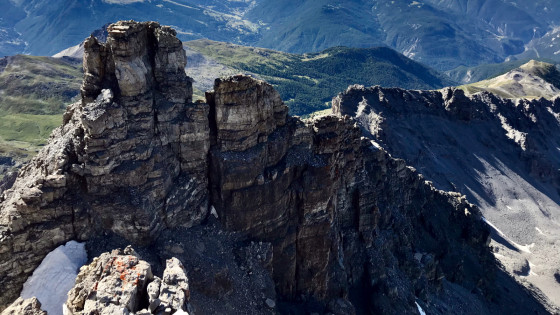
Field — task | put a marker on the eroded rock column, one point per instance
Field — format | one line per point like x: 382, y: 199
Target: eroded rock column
x: 130, y: 157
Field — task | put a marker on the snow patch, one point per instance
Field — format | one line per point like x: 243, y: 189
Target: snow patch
x: 410, y: 52
x: 214, y: 212
x: 531, y: 267
x: 420, y: 310
x: 55, y: 276
x: 499, y: 256
x: 523, y: 248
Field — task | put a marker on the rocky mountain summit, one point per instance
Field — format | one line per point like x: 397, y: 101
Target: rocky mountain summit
x: 267, y: 212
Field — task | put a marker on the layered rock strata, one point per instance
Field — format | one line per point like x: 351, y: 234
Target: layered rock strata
x: 129, y: 158
x: 350, y: 227
x: 314, y: 190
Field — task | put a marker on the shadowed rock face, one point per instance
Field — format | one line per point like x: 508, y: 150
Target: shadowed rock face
x: 136, y: 157
x: 502, y: 154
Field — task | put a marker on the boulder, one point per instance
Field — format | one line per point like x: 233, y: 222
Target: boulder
x: 30, y: 306
x: 114, y: 283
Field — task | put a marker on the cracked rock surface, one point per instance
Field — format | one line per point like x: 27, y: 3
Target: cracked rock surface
x: 501, y: 153
x: 117, y: 283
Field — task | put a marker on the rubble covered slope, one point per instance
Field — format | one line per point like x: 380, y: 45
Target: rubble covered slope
x: 341, y: 226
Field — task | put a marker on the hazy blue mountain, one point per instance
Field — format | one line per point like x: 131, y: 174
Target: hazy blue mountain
x: 51, y: 26
x: 10, y: 39
x: 441, y: 33
x: 444, y: 34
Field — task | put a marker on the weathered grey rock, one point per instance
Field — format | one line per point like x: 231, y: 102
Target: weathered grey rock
x: 247, y: 111
x: 174, y: 288
x: 153, y: 294
x: 117, y: 283
x: 113, y: 283
x: 31, y: 306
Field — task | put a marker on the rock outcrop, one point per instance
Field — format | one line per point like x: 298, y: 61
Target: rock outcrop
x: 351, y: 228
x: 117, y: 283
x: 20, y: 306
x: 314, y: 188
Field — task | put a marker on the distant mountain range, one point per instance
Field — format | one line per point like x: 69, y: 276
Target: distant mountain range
x: 443, y: 34
x: 308, y: 81
x: 34, y: 91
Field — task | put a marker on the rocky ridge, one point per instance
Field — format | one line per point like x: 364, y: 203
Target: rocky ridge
x: 348, y: 227
x: 500, y: 153
x: 20, y: 306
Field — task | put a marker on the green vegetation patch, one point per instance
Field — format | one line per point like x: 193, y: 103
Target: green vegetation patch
x: 28, y: 128
x: 308, y: 82
x: 38, y: 85
x: 34, y: 92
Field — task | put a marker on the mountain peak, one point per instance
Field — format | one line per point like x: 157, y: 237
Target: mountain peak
x: 539, y: 68
x: 534, y: 79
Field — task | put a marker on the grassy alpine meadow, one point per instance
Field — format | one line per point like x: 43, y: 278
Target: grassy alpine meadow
x: 308, y: 82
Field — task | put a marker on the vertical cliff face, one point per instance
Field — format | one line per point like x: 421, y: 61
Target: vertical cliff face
x: 145, y: 143
x: 350, y: 228
x: 342, y: 214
